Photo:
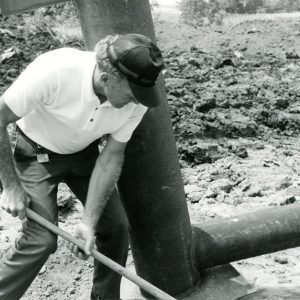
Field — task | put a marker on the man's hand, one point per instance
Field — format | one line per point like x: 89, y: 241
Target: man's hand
x: 86, y: 234
x: 15, y: 201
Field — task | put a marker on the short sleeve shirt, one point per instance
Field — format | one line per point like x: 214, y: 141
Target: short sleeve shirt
x: 57, y: 105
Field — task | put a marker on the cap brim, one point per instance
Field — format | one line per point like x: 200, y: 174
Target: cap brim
x: 148, y: 96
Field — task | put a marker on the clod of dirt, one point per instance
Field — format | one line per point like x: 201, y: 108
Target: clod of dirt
x: 254, y: 191
x: 196, y: 197
x: 240, y: 151
x: 283, y: 183
x: 220, y: 185
x: 288, y: 200
x: 292, y: 55
x: 281, y: 260
x: 43, y: 270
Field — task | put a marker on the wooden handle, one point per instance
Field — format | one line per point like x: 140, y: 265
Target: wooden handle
x: 145, y: 285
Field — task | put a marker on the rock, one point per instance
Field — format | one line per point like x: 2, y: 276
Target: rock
x: 254, y: 191
x: 72, y: 291
x: 43, y: 270
x: 77, y: 277
x: 202, y: 152
x: 221, y: 185
x: 211, y: 214
x: 252, y: 30
x: 240, y: 151
x: 292, y: 55
x: 288, y: 200
x: 221, y: 197
x: 283, y: 183
x: 65, y: 201
x: 211, y: 201
x: 205, y: 104
x: 175, y: 83
x: 225, y: 62
x: 282, y: 103
x: 281, y: 260
x: 191, y: 188
x: 287, y: 152
x: 245, y: 185
x: 210, y: 194
x: 195, y: 197
x: 259, y: 146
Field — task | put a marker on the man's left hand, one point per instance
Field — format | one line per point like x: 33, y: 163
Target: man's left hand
x: 86, y: 234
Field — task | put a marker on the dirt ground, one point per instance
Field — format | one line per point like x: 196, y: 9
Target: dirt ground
x: 234, y: 97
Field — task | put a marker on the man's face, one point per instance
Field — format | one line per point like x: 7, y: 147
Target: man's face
x: 118, y: 92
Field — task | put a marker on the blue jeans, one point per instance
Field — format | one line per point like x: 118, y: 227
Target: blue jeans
x: 40, y: 181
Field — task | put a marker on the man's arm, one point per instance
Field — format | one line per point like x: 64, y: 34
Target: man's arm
x: 14, y: 198
x: 105, y: 175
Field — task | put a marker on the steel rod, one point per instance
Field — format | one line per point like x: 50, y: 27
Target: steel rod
x: 147, y: 286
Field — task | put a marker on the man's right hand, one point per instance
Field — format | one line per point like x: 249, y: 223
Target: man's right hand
x: 15, y: 201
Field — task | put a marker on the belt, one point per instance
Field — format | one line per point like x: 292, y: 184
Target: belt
x: 45, y: 155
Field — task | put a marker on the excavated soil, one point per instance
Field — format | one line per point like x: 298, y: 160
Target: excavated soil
x: 234, y: 98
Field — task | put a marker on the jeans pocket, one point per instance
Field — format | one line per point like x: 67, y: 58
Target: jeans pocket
x: 23, y: 147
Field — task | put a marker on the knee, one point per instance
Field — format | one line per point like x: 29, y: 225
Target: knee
x: 38, y: 238
x: 48, y: 241
x: 121, y: 230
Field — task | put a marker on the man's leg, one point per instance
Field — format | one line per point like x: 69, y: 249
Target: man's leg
x: 111, y: 237
x: 19, y: 268
x: 111, y: 240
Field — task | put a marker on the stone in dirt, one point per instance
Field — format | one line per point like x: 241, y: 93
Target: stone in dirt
x: 283, y: 183
x: 292, y: 55
x: 288, y: 200
x: 281, y: 260
x: 224, y: 185
x: 254, y: 191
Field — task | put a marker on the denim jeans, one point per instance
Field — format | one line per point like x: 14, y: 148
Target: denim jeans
x: 40, y: 181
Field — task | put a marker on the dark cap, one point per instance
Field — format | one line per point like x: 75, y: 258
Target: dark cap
x: 140, y: 61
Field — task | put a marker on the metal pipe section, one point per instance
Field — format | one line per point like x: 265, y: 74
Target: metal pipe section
x: 248, y: 235
x: 151, y: 187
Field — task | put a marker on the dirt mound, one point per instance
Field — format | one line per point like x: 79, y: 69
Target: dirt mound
x: 230, y: 95
x: 233, y: 81
x: 21, y: 42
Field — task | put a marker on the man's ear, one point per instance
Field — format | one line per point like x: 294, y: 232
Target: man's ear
x: 103, y: 79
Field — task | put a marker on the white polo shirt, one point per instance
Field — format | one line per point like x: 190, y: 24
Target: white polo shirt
x: 55, y: 99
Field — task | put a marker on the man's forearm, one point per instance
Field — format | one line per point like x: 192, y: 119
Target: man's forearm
x: 102, y: 184
x: 8, y: 173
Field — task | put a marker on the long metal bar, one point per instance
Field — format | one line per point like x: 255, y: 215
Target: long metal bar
x: 150, y: 288
x: 247, y: 235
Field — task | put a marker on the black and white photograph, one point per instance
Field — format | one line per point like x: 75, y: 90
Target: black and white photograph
x: 149, y: 149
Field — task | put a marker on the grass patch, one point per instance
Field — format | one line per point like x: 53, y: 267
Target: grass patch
x: 235, y: 19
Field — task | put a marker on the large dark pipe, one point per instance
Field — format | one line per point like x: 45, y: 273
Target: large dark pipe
x: 150, y: 186
x: 247, y: 235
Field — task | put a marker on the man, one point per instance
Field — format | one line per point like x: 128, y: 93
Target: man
x: 62, y: 104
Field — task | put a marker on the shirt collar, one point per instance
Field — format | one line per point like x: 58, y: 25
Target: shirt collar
x: 88, y: 92
x: 105, y: 104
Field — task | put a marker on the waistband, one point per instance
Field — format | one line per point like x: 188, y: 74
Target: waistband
x: 93, y: 147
